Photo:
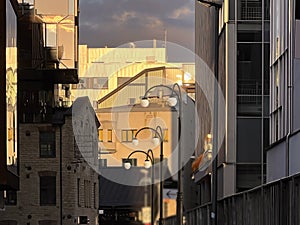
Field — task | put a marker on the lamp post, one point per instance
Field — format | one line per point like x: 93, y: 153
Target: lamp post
x: 159, y: 137
x: 172, y: 101
x: 147, y: 165
x: 217, y: 4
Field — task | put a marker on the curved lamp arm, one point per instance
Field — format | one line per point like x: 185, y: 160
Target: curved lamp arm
x: 146, y: 153
x: 159, y: 134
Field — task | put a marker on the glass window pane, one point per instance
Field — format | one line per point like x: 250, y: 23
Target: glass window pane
x: 47, y: 190
x: 100, y: 135
x: 297, y: 10
x: 249, y: 140
x: 249, y: 32
x: 53, y: 7
x: 47, y: 144
x: 124, y: 135
x: 109, y: 135
x: 249, y: 61
x: 50, y: 35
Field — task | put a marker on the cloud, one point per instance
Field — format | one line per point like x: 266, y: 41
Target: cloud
x: 115, y: 22
x: 124, y: 17
x: 182, y: 12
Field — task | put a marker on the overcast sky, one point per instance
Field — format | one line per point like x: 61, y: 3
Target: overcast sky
x: 116, y: 22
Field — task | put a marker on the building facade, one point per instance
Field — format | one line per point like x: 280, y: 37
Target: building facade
x: 102, y: 70
x: 57, y: 185
x: 285, y: 67
x: 8, y: 113
x: 243, y: 62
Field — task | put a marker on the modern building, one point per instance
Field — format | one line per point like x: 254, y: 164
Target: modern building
x: 102, y: 70
x: 121, y: 116
x: 243, y: 77
x: 56, y: 185
x: 283, y: 154
x: 9, y: 182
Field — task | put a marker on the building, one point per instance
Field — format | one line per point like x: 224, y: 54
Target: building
x: 56, y: 185
x: 284, y: 107
x: 102, y: 70
x: 121, y: 116
x: 243, y: 62
x: 9, y: 182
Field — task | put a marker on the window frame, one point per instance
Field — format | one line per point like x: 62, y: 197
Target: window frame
x: 47, y: 190
x: 50, y: 143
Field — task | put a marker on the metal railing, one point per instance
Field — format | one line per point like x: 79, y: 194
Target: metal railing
x: 276, y: 203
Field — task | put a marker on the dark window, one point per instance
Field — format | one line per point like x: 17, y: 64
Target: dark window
x: 246, y: 32
x: 297, y: 10
x: 94, y: 195
x: 47, y: 190
x: 10, y: 197
x: 78, y: 192
x: 103, y: 162
x: 47, y: 144
x: 249, y: 137
x: 87, y: 193
x: 128, y: 135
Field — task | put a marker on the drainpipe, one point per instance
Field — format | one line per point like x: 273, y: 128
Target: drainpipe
x: 60, y: 174
x: 287, y: 160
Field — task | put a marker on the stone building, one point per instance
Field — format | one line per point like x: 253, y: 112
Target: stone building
x: 57, y: 186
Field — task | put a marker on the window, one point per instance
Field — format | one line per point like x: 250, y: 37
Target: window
x: 102, y: 163
x: 95, y: 196
x: 100, y: 83
x: 81, y: 84
x: 47, y: 190
x: 250, y: 10
x: 50, y: 35
x: 87, y: 194
x: 133, y: 162
x: 47, y: 144
x: 165, y: 134
x: 109, y: 135
x: 100, y: 135
x: 128, y: 135
x: 10, y: 197
x: 78, y: 192
x: 297, y: 10
x: 92, y: 83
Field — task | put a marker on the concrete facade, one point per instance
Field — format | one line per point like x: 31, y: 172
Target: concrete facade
x: 243, y: 77
x: 284, y: 104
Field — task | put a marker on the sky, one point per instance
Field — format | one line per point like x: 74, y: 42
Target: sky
x: 113, y: 23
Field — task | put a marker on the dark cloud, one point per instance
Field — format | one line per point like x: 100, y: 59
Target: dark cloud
x: 115, y: 22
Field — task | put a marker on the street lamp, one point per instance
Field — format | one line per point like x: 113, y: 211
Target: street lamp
x: 158, y: 138
x: 217, y: 4
x: 172, y: 102
x: 149, y: 162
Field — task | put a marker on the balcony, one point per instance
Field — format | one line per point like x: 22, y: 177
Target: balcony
x: 54, y: 76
